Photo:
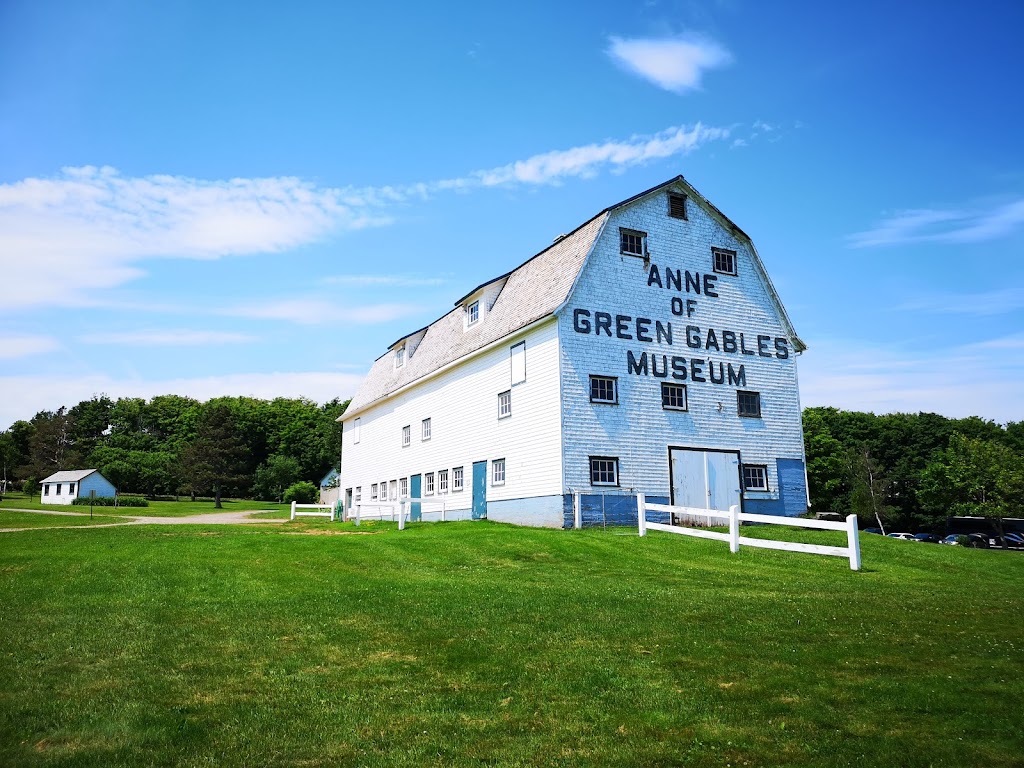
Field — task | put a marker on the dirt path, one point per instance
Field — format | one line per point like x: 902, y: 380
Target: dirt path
x: 215, y: 518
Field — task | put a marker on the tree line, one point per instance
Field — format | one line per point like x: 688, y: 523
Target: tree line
x: 910, y: 472
x: 171, y: 445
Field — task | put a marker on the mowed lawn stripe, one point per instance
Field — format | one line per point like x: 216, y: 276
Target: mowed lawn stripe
x: 470, y: 643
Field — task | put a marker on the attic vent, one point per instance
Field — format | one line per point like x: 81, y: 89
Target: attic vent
x: 677, y: 206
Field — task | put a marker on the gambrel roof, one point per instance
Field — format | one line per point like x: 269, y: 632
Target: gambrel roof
x: 532, y: 291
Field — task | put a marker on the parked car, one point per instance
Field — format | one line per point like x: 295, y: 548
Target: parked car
x: 930, y: 538
x: 975, y: 540
x: 1014, y: 539
x: 904, y: 536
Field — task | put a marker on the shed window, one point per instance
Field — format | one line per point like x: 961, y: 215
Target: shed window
x: 755, y: 477
x: 748, y: 404
x: 71, y: 489
x: 631, y: 242
x: 58, y: 489
x: 604, y: 470
x: 604, y: 389
x: 46, y: 489
x: 676, y: 205
x: 673, y: 397
x: 723, y: 261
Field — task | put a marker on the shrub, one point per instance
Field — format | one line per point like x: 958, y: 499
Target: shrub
x: 30, y: 486
x: 301, y: 493
x: 111, y: 501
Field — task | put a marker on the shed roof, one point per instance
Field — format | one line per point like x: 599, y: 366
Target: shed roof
x: 68, y: 476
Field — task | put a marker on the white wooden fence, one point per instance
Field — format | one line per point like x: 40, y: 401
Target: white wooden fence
x: 734, y: 517
x: 319, y: 513
x: 401, y: 507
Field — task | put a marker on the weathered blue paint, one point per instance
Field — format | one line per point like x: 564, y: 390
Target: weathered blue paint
x: 609, y: 509
x: 96, y: 482
x: 479, y: 490
x: 415, y: 511
x: 792, y: 499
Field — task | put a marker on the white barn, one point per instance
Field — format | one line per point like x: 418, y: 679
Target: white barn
x: 647, y: 350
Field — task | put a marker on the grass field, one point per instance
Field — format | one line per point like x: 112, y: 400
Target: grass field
x: 481, y: 644
x: 10, y: 519
x: 182, y: 508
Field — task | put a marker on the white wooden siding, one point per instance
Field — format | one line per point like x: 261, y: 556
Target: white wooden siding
x: 462, y: 404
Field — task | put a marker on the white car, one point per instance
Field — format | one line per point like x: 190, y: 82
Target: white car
x: 904, y: 536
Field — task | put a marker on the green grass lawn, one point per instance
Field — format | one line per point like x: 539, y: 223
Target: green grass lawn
x: 183, y: 508
x: 10, y: 519
x: 481, y: 644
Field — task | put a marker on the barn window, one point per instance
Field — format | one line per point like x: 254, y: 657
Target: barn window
x: 498, y: 472
x: 373, y: 492
x: 393, y: 489
x: 428, y: 484
x: 457, y: 479
x: 356, y: 430
x: 673, y: 397
x: 631, y: 242
x: 400, y: 356
x: 473, y: 313
x: 505, y: 404
x: 359, y: 493
x: 425, y: 430
x: 755, y: 477
x: 676, y: 205
x: 604, y: 389
x: 723, y: 261
x: 442, y: 481
x: 383, y: 490
x: 406, y: 435
x: 403, y: 487
x: 518, y: 363
x: 748, y: 404
x: 604, y: 470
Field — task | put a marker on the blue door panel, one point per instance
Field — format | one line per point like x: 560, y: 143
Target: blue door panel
x: 414, y: 490
x: 479, y: 490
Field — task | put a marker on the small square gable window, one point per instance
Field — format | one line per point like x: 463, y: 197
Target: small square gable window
x: 473, y: 313
x: 631, y: 242
x: 723, y: 261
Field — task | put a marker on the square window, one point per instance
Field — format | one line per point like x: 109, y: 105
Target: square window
x: 400, y: 357
x: 406, y: 436
x: 403, y: 487
x: 723, y: 261
x: 676, y: 205
x: 425, y: 434
x: 604, y: 389
x: 673, y: 397
x: 631, y: 242
x: 604, y: 470
x: 755, y: 477
x: 505, y: 404
x: 473, y: 312
x: 498, y: 472
x: 373, y: 492
x: 457, y: 479
x: 428, y: 484
x: 748, y: 404
x: 442, y: 481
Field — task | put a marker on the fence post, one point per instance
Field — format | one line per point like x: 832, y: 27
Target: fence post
x: 734, y: 529
x: 853, y: 542
x: 401, y: 515
x: 577, y: 511
x: 293, y: 510
x: 641, y: 513
x: 358, y: 508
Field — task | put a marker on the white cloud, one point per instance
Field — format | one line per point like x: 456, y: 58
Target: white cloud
x: 13, y: 347
x: 674, y: 64
x: 943, y: 226
x: 976, y: 380
x: 320, y: 311
x: 23, y: 396
x: 166, y: 338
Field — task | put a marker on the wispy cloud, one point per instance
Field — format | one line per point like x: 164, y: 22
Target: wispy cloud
x: 943, y: 226
x: 101, y: 227
x: 13, y: 347
x: 984, y: 304
x: 674, y: 63
x: 21, y: 395
x: 389, y: 281
x: 166, y: 338
x: 321, y: 311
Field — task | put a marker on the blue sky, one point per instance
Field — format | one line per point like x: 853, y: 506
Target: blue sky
x: 254, y: 198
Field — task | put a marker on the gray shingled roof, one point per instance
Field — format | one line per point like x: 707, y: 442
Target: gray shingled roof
x: 532, y: 291
x: 67, y: 476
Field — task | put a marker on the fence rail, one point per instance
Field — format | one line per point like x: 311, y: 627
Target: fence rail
x: 321, y: 513
x: 402, y: 507
x: 734, y: 517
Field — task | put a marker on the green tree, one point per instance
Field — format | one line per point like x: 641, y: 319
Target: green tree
x: 869, y: 486
x: 301, y: 492
x: 215, y: 459
x: 52, y: 446
x: 974, y: 477
x: 273, y: 476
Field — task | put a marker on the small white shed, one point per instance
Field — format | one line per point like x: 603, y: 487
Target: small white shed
x: 67, y: 485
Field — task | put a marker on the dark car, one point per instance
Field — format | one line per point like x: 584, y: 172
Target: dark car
x: 930, y: 538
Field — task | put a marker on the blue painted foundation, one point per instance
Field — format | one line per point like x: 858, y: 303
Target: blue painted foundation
x: 601, y: 510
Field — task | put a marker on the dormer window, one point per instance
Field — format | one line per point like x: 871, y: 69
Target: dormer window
x: 400, y: 356
x: 473, y: 313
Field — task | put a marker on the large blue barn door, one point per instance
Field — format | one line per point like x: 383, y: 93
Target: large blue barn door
x: 414, y: 490
x: 479, y: 490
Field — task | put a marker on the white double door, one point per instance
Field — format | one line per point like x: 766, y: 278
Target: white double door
x: 705, y: 479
